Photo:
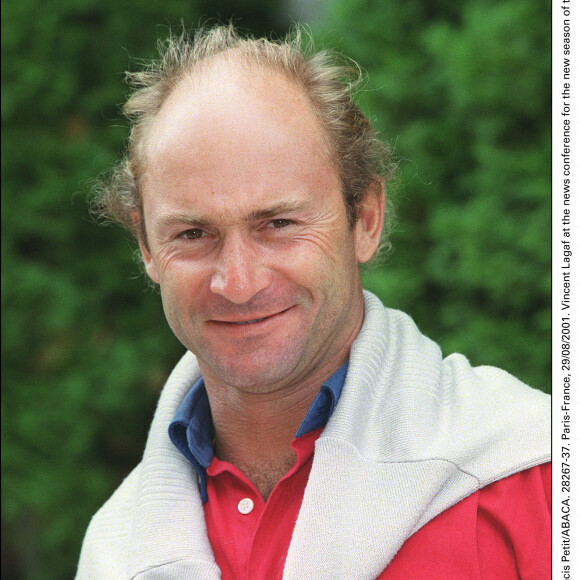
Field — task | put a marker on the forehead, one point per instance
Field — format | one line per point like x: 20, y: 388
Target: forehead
x: 228, y: 99
x: 233, y: 127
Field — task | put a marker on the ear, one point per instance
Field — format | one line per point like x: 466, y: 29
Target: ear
x: 150, y: 267
x: 369, y: 225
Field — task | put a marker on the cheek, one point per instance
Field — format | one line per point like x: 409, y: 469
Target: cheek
x: 167, y: 261
x: 181, y: 289
x: 328, y: 270
x: 177, y: 270
x: 182, y: 301
x: 331, y: 258
x: 324, y: 247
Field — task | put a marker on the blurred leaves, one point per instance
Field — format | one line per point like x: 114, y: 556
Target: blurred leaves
x: 463, y: 91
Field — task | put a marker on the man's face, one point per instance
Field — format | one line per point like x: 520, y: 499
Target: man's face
x: 247, y: 232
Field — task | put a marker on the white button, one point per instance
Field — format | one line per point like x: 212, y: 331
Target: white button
x: 245, y: 506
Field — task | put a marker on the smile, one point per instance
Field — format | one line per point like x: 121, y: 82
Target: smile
x: 250, y: 321
x: 253, y: 321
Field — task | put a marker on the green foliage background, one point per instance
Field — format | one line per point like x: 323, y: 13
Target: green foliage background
x: 461, y: 89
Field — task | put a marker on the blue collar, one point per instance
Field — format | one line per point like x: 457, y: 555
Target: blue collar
x: 192, y: 430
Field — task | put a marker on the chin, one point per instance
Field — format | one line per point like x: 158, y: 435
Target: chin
x: 254, y: 372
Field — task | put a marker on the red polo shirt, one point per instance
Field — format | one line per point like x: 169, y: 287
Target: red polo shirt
x: 250, y: 537
x: 500, y: 532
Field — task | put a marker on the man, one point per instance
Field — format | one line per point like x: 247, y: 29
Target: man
x: 309, y: 432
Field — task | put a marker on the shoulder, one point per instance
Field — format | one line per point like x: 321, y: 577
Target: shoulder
x: 505, y: 423
x: 501, y: 531
x: 402, y: 401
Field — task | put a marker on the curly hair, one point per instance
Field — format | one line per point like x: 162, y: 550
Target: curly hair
x: 327, y: 79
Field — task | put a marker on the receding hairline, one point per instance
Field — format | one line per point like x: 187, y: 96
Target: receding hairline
x: 249, y: 71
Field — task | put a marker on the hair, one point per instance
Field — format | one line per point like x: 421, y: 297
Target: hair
x: 327, y: 79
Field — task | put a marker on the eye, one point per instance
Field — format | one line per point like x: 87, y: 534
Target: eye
x: 192, y: 234
x: 280, y: 223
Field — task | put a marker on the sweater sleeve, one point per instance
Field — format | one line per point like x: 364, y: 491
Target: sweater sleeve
x: 105, y: 546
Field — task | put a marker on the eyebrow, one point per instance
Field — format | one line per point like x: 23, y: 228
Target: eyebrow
x: 277, y: 209
x: 175, y: 218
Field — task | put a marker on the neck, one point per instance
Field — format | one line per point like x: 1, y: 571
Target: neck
x: 259, y: 424
x: 255, y: 433
x: 255, y: 430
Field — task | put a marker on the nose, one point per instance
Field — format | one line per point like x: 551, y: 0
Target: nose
x: 239, y: 273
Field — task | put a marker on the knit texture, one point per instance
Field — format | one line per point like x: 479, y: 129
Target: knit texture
x: 412, y: 435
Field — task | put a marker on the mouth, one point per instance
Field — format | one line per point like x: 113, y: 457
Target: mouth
x: 250, y: 321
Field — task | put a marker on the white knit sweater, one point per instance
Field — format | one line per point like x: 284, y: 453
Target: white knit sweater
x: 412, y: 435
